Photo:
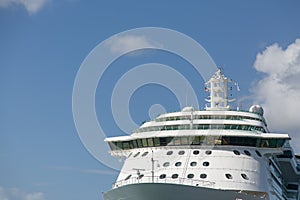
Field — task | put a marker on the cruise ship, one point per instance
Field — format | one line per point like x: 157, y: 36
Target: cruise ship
x: 214, y: 153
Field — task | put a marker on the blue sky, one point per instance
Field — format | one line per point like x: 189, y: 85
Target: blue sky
x: 43, y: 43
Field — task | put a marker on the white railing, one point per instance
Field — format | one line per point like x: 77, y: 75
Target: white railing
x: 156, y: 179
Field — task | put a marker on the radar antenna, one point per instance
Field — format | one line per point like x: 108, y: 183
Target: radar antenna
x: 218, y: 89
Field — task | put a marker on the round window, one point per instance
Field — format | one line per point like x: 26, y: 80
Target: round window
x: 162, y: 176
x: 169, y: 153
x: 178, y: 164
x: 203, y: 176
x: 236, y: 152
x: 244, y: 176
x: 196, y: 152
x: 190, y: 175
x: 247, y: 153
x: 175, y: 176
x: 208, y: 152
x: 228, y: 176
x: 205, y: 164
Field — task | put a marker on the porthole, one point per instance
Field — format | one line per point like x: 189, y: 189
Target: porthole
x: 247, y: 152
x: 138, y: 153
x: 175, y: 176
x: 144, y: 154
x: 236, y: 152
x: 203, y: 176
x: 196, y: 152
x: 193, y: 164
x: 162, y: 176
x: 190, y: 176
x: 166, y: 164
x: 181, y: 152
x: 205, y: 164
x: 228, y: 176
x: 178, y: 164
x: 128, y: 177
x: 258, y: 153
x: 169, y: 153
x: 208, y: 152
x: 129, y: 155
x: 244, y: 176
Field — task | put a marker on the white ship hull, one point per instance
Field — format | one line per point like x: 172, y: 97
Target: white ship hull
x: 166, y: 191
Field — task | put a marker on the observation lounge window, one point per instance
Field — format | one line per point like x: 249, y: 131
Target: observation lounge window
x: 144, y: 142
x: 150, y: 142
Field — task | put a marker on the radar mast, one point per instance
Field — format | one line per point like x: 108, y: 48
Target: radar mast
x: 217, y: 86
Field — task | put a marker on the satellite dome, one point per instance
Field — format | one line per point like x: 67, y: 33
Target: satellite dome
x: 257, y: 109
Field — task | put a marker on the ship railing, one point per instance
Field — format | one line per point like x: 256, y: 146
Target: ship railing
x: 170, y: 180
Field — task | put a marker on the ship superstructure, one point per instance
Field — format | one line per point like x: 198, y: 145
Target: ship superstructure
x: 215, y: 153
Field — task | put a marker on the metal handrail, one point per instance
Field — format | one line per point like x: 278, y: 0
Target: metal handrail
x: 156, y: 179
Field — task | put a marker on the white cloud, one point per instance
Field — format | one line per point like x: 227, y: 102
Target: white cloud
x: 17, y: 194
x: 32, y: 6
x: 279, y: 91
x: 121, y: 44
